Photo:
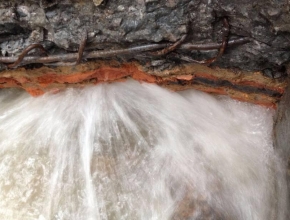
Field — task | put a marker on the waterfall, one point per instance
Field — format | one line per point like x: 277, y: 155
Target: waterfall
x: 137, y: 151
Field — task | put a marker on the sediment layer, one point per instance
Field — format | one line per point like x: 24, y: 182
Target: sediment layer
x: 245, y: 86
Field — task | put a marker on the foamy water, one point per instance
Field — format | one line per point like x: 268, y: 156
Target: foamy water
x: 136, y: 151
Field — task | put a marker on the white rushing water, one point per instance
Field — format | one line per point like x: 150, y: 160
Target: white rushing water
x: 136, y: 151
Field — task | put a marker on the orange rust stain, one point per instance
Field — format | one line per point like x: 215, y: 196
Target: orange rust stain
x: 138, y: 74
x: 265, y: 104
x: 5, y: 80
x: 102, y: 74
x: 143, y: 77
x: 22, y: 79
x: 46, y: 79
x: 9, y: 82
x: 110, y: 74
x: 34, y: 91
x: 74, y: 78
x: 49, y: 79
x: 218, y: 91
x: 184, y: 77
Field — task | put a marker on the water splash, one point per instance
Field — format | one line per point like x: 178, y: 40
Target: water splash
x: 136, y: 151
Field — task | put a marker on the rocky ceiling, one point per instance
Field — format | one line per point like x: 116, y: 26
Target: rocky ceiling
x: 257, y: 34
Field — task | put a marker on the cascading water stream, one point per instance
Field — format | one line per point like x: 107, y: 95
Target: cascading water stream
x: 136, y: 151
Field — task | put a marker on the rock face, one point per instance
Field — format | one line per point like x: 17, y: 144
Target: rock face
x: 111, y: 24
x: 282, y: 125
x: 261, y: 28
x: 281, y: 133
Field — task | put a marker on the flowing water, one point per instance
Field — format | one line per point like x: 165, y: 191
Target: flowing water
x: 136, y: 151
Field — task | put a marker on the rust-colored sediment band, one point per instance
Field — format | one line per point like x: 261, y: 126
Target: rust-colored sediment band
x: 245, y: 86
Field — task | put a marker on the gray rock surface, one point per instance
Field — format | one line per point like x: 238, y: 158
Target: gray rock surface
x: 122, y: 23
x: 282, y: 133
x: 282, y: 125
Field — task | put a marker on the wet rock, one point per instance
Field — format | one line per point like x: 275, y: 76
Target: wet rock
x: 282, y: 131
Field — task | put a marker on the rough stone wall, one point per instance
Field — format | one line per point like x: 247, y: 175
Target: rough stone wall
x: 282, y: 133
x: 282, y: 125
x: 112, y: 24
